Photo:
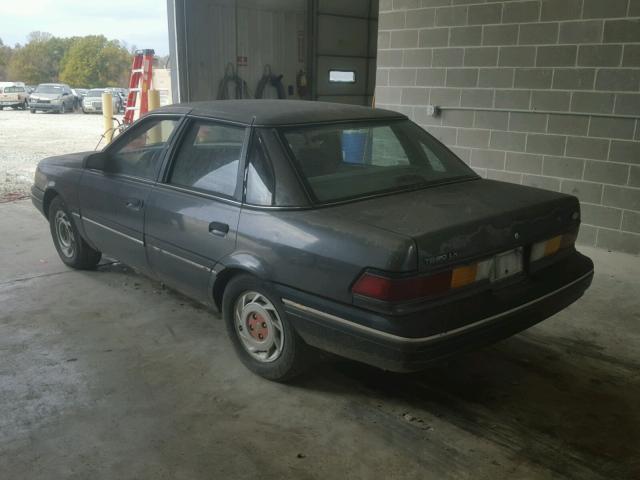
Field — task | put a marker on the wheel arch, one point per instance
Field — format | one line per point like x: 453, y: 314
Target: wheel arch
x: 233, y: 266
x: 49, y: 195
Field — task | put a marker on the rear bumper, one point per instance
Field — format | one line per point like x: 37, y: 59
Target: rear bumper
x: 357, y: 334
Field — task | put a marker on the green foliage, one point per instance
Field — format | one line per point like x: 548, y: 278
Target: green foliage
x: 5, y: 58
x: 94, y: 61
x: 91, y: 61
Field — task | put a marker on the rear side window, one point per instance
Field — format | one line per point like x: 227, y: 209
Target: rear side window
x: 260, y: 177
x: 209, y: 158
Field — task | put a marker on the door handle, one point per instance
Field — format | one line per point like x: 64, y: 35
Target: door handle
x: 133, y: 203
x: 218, y: 228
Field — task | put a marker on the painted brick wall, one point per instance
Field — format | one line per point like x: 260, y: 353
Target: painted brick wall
x: 538, y: 92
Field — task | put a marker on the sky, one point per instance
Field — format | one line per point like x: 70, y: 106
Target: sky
x: 142, y: 23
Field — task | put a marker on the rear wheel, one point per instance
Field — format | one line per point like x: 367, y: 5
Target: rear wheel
x: 33, y: 110
x: 71, y: 247
x: 260, y: 332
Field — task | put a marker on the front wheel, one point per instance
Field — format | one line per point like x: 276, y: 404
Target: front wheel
x: 71, y: 247
x: 261, y: 334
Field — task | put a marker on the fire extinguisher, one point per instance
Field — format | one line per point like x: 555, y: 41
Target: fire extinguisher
x: 302, y: 84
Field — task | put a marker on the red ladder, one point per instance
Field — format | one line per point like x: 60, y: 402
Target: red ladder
x: 140, y: 82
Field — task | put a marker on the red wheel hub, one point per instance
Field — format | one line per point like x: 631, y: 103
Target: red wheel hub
x: 257, y: 327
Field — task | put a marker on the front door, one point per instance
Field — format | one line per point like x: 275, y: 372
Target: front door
x: 113, y: 201
x: 192, y: 216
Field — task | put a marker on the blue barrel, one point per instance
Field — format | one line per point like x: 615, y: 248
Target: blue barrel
x: 353, y: 146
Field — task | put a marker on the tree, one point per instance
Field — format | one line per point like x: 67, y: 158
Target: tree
x: 5, y: 57
x: 94, y: 61
x: 39, y: 60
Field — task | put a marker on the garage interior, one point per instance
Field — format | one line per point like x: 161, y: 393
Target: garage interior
x: 295, y: 38
x: 108, y: 374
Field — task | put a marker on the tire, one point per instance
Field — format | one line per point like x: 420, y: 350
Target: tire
x: 71, y: 247
x: 33, y: 110
x: 258, y: 308
x: 62, y: 109
x: 84, y: 111
x: 1, y: 107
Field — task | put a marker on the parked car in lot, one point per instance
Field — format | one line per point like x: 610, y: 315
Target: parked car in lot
x: 311, y: 224
x: 92, y: 101
x: 14, y: 95
x: 54, y: 97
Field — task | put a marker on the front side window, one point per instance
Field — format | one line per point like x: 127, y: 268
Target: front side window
x: 209, y: 158
x: 353, y: 160
x: 140, y: 155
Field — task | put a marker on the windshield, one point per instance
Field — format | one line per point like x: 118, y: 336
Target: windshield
x: 96, y: 92
x: 49, y: 89
x: 357, y: 159
x: 13, y: 89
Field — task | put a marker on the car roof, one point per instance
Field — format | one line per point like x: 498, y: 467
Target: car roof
x: 280, y: 112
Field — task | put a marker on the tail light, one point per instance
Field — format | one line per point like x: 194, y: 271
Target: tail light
x: 553, y: 245
x: 399, y: 289
x: 390, y: 289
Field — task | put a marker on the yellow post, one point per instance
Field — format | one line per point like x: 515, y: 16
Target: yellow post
x: 155, y: 134
x: 107, y: 115
x: 154, y: 99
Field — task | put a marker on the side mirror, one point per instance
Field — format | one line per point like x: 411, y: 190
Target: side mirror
x: 96, y: 161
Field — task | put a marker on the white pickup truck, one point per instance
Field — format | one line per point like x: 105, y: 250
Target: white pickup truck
x: 14, y: 95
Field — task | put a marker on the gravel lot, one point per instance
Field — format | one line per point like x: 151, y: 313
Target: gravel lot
x: 25, y: 139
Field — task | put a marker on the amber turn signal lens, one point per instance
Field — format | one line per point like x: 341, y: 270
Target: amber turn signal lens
x: 464, y: 275
x: 552, y: 245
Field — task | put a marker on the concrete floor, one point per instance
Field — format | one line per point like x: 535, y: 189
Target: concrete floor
x: 105, y: 375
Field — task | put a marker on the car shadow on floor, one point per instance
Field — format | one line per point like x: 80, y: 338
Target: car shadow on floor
x: 561, y: 404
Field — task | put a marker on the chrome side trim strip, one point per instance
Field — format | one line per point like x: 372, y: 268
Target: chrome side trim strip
x: 98, y: 224
x: 178, y: 257
x: 432, y: 338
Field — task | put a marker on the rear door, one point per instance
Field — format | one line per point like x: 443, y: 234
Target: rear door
x: 192, y: 215
x: 114, y: 200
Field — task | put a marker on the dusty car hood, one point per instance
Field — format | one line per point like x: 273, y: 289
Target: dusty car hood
x: 467, y: 219
x: 70, y: 160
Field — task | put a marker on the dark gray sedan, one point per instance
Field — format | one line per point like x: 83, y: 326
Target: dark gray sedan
x: 309, y: 224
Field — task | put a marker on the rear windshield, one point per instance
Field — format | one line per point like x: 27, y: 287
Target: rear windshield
x: 96, y: 92
x: 353, y: 160
x: 49, y: 89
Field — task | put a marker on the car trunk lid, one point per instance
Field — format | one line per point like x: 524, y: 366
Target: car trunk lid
x: 466, y: 220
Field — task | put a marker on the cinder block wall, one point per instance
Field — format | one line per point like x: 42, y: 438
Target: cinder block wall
x: 538, y: 92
